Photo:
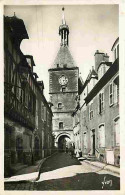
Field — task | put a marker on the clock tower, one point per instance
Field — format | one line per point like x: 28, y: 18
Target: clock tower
x: 63, y: 88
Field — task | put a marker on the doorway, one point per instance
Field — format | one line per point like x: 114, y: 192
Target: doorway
x: 19, y: 149
x: 93, y: 141
x: 36, y: 147
x: 63, y: 143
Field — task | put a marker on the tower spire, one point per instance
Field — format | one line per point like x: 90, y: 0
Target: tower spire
x: 64, y: 30
x: 63, y: 16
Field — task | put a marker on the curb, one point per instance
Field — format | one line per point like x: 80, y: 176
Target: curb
x: 113, y: 171
x: 38, y: 173
x: 104, y: 167
x: 42, y: 161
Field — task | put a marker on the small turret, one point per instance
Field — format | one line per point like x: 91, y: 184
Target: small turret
x: 64, y: 30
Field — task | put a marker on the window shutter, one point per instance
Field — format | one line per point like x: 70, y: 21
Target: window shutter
x: 99, y: 107
x: 102, y: 101
x: 111, y: 94
x: 115, y: 92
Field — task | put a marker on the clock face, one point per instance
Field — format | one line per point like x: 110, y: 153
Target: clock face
x: 63, y: 80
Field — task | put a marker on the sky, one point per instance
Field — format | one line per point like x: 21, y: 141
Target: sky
x: 92, y: 27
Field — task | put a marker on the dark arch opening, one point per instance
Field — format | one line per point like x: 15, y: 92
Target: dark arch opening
x: 63, y: 143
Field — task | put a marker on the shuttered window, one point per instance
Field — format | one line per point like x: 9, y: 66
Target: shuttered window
x: 114, y: 91
x: 111, y: 94
x: 91, y: 111
x: 101, y: 102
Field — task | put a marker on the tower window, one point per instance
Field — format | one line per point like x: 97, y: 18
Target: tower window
x: 63, y: 89
x: 59, y: 105
x: 65, y: 66
x: 60, y: 125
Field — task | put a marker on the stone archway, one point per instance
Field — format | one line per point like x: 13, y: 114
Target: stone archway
x: 63, y: 141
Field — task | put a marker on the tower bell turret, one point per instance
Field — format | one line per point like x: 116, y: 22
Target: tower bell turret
x: 64, y: 30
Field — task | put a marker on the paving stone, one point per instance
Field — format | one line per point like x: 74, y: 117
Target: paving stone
x: 27, y: 186
x: 87, y: 177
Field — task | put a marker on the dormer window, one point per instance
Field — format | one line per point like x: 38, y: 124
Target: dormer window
x: 102, y: 70
x: 116, y: 52
x: 115, y: 49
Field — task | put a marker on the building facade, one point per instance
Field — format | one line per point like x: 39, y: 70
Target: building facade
x: 63, y: 88
x: 22, y: 94
x: 43, y: 135
x: 98, y: 125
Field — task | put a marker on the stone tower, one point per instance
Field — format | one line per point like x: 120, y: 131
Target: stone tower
x: 63, y: 87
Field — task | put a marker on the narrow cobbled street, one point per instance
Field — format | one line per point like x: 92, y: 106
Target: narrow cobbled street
x: 62, y: 172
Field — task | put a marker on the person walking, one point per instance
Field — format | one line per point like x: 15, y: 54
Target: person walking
x: 72, y: 150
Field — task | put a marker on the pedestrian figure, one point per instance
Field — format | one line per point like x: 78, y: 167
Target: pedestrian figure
x: 80, y: 152
x: 72, y: 151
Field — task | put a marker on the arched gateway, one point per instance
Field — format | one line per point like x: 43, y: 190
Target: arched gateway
x: 63, y: 140
x: 63, y: 88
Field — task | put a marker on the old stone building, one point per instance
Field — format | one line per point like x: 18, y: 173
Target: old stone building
x: 43, y: 144
x: 63, y: 88
x: 27, y: 132
x: 98, y: 116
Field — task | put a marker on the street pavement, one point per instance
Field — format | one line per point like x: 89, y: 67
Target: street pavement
x: 62, y: 172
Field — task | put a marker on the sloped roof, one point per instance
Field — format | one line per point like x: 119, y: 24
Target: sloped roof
x: 17, y: 27
x: 64, y: 58
x: 103, y: 81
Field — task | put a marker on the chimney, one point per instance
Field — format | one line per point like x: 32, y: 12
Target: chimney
x: 99, y: 57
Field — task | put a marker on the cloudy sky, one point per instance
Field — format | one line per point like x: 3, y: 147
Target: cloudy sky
x: 91, y: 27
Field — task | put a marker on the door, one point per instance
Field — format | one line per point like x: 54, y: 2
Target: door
x: 93, y: 142
x: 36, y: 148
x: 19, y: 149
